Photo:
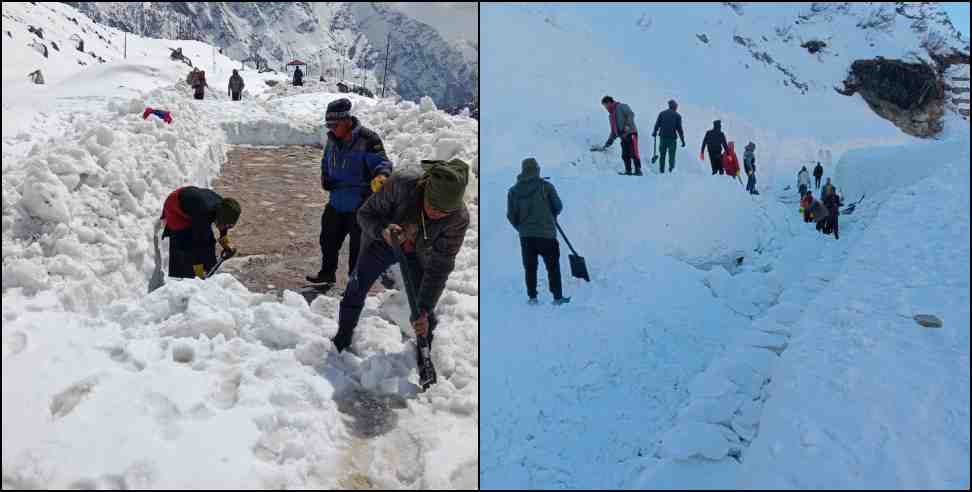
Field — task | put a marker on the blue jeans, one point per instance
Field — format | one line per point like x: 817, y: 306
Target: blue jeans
x: 374, y: 259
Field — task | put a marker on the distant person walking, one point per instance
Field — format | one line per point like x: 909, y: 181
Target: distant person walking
x: 749, y: 165
x: 532, y: 206
x: 715, y: 142
x: 803, y: 181
x: 668, y: 125
x: 235, y: 85
x: 622, y: 120
x: 298, y: 77
x: 817, y: 174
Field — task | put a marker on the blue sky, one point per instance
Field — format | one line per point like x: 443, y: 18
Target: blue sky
x: 958, y: 12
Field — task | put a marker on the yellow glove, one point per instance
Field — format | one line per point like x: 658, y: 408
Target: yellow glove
x: 199, y: 271
x: 377, y: 183
x: 225, y: 243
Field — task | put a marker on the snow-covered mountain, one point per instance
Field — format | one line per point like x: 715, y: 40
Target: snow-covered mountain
x: 338, y: 39
x: 721, y: 341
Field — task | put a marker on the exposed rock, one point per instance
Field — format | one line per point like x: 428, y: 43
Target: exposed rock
x: 703, y: 38
x: 910, y: 95
x: 813, y: 46
x: 929, y: 320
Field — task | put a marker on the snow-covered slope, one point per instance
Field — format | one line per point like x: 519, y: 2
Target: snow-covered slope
x: 334, y: 38
x: 722, y: 342
x: 200, y: 384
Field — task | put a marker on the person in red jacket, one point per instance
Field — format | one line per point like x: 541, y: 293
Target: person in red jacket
x: 189, y: 214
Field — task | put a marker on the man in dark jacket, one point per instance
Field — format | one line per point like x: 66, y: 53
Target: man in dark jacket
x: 426, y: 212
x: 831, y: 200
x: 298, y: 76
x: 189, y: 214
x: 235, y: 85
x: 715, y: 142
x: 621, y: 118
x: 532, y: 206
x: 354, y: 165
x: 817, y: 174
x: 669, y: 124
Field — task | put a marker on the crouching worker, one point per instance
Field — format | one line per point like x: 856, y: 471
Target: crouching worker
x: 426, y: 212
x: 189, y: 214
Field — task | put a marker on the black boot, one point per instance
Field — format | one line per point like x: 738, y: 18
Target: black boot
x: 321, y: 278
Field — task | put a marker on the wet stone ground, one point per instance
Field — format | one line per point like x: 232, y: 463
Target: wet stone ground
x: 279, y: 190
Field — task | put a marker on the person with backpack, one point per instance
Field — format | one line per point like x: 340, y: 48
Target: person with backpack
x: 669, y: 125
x: 749, y: 165
x: 817, y: 174
x: 235, y: 85
x: 715, y: 142
x: 198, y: 83
x: 832, y: 201
x: 806, y: 201
x: 189, y: 214
x: 621, y: 118
x: 828, y: 189
x: 425, y: 215
x: 354, y: 165
x: 803, y: 181
x: 298, y: 76
x: 532, y: 206
x: 818, y: 212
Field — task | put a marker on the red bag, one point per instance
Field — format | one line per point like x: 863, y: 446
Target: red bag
x: 730, y: 163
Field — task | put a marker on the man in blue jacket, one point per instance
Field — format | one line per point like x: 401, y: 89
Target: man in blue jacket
x: 353, y: 167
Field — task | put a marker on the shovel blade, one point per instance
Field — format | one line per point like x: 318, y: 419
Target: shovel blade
x: 578, y: 267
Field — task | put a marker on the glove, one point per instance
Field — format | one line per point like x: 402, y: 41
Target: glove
x: 683, y: 143
x: 377, y: 183
x: 225, y: 243
x: 702, y: 156
x: 199, y: 271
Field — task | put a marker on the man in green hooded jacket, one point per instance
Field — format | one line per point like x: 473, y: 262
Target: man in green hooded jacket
x: 532, y: 206
x: 427, y: 214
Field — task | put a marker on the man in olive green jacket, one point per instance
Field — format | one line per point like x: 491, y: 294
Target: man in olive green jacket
x: 532, y: 206
x: 427, y: 214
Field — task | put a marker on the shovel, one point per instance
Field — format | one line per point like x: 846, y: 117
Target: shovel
x: 578, y: 267
x: 427, y: 376
x: 654, y: 151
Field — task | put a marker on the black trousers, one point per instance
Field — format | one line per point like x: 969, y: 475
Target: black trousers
x: 817, y: 179
x: 375, y: 259
x: 715, y: 159
x: 335, y: 226
x: 236, y: 96
x: 630, y: 152
x: 185, y: 251
x: 549, y: 249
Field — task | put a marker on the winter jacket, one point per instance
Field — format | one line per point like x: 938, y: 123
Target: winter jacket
x: 621, y: 118
x: 236, y: 83
x: 803, y: 178
x: 715, y: 142
x: 347, y: 168
x: 818, y: 171
x: 749, y: 162
x: 436, y: 242
x: 730, y: 163
x: 818, y: 211
x: 832, y: 202
x: 532, y: 205
x: 828, y: 189
x: 669, y: 124
x: 191, y: 208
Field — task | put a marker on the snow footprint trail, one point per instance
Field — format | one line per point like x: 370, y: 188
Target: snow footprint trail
x: 722, y: 414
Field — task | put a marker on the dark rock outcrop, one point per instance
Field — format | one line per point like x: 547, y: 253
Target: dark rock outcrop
x: 910, y: 95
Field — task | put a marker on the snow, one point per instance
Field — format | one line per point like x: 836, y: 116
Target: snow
x: 200, y: 383
x: 721, y: 342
